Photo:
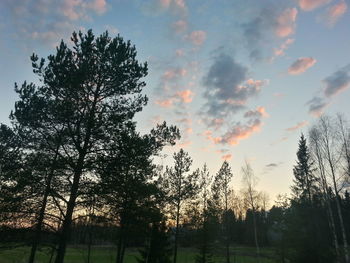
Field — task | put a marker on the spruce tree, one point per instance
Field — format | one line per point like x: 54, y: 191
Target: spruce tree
x: 304, y: 180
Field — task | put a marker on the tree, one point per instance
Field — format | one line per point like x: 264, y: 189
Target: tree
x: 251, y: 197
x: 330, y: 149
x: 221, y: 192
x: 128, y: 186
x: 180, y: 186
x: 205, y: 222
x: 304, y: 181
x: 88, y: 92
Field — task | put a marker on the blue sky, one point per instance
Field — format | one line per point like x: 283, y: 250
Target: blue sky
x: 241, y: 79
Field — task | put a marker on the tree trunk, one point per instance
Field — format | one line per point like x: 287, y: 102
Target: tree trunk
x: 340, y: 214
x: 256, y: 237
x: 176, y: 231
x: 67, y: 222
x: 41, y: 215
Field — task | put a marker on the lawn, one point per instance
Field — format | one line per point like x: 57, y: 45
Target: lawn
x: 107, y: 255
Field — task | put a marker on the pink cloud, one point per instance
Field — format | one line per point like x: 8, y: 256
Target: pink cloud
x: 185, y: 96
x: 301, y: 65
x: 164, y: 3
x: 77, y: 9
x: 286, y: 22
x: 99, y: 6
x: 308, y: 5
x: 166, y: 103
x: 209, y: 136
x: 298, y: 126
x: 285, y: 45
x: 197, y: 37
x: 240, y: 132
x: 180, y: 26
x: 335, y: 12
x: 174, y: 73
x: 176, y: 6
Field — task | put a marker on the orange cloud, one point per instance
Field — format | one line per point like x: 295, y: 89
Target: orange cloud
x: 335, y: 12
x: 174, y: 73
x: 197, y: 37
x: 184, y: 144
x: 166, y: 103
x: 286, y: 22
x: 308, y: 5
x: 298, y: 126
x: 301, y: 65
x: 226, y: 157
x: 185, y: 96
x: 241, y: 132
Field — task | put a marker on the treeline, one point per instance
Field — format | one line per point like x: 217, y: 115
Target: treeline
x: 74, y: 170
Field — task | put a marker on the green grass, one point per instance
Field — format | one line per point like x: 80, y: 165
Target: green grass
x: 107, y: 255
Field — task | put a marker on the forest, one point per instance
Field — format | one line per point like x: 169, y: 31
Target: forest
x: 79, y: 183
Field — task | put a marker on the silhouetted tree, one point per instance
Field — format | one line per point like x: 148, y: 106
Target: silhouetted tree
x: 305, y: 183
x: 88, y: 92
x: 180, y: 186
x: 221, y: 192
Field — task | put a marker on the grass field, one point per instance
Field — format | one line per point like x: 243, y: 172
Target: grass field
x: 107, y: 255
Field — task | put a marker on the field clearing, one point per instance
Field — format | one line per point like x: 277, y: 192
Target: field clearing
x: 107, y: 255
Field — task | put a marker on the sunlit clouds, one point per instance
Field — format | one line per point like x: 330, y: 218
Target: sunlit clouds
x: 301, y: 65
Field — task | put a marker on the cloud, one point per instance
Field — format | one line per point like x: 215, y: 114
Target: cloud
x: 174, y: 73
x: 197, y: 37
x: 286, y: 22
x: 185, y: 96
x: 317, y: 106
x: 227, y: 157
x: 270, y: 21
x: 301, y: 65
x: 165, y: 103
x: 180, y: 26
x: 50, y: 21
x: 335, y: 12
x: 337, y: 82
x: 228, y: 87
x: 177, y: 7
x: 298, y: 126
x: 271, y: 165
x: 285, y: 45
x: 180, y: 52
x: 309, y: 5
x: 239, y: 132
x: 258, y: 113
x: 77, y: 9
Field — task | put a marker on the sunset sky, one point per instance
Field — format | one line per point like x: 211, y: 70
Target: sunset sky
x: 240, y: 78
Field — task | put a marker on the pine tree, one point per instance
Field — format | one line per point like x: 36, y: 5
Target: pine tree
x: 304, y: 181
x: 181, y: 186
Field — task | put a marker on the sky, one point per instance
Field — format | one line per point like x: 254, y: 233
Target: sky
x: 242, y: 79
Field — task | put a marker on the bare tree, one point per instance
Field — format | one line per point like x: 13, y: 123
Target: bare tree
x: 316, y: 155
x: 344, y: 132
x: 331, y: 152
x: 251, y: 196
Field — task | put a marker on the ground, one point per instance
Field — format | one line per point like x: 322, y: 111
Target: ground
x: 107, y: 255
